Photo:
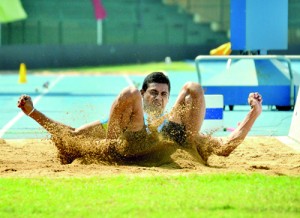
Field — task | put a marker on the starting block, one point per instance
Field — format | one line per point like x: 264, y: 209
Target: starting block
x: 213, y: 120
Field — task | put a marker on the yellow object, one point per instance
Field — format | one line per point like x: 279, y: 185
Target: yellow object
x: 11, y: 10
x: 224, y: 49
x: 22, y: 73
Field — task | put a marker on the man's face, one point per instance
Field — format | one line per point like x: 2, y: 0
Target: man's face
x: 156, y: 97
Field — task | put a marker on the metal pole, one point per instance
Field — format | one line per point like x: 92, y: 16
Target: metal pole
x: 99, y: 32
x: 254, y: 57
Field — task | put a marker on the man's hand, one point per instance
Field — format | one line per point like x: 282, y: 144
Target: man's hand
x: 255, y: 101
x: 25, y: 103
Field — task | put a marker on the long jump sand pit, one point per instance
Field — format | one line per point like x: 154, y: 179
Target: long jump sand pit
x: 38, y: 158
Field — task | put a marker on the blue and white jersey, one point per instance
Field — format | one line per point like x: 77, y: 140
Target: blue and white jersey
x: 159, y: 128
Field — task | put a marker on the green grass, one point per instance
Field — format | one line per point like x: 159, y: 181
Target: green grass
x: 133, y: 68
x: 228, y: 195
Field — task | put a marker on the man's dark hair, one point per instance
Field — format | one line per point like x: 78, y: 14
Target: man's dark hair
x: 156, y: 77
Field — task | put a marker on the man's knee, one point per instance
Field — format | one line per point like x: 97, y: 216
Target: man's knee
x: 129, y: 94
x: 194, y: 89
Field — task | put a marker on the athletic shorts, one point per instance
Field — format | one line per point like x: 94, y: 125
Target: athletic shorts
x: 136, y: 137
x: 175, y: 132
x: 171, y: 130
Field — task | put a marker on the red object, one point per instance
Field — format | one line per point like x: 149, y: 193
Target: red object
x: 100, y: 12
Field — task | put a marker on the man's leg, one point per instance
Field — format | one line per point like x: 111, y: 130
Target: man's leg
x: 189, y: 109
x: 126, y: 113
x: 94, y: 129
x: 127, y: 120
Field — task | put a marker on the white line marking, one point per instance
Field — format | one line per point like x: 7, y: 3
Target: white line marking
x: 21, y: 114
x: 128, y: 80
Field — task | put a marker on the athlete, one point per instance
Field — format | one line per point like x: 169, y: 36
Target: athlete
x: 137, y: 114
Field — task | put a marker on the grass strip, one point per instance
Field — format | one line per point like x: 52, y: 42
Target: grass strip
x: 219, y: 195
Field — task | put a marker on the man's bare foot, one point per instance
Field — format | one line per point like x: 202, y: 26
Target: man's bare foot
x: 25, y: 103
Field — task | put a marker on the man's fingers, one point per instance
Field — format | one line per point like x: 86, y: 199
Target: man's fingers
x: 259, y: 97
x: 255, y: 95
x: 254, y: 98
x: 21, y: 103
x: 26, y: 97
x: 22, y: 100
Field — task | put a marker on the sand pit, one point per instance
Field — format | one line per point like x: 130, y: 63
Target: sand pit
x: 38, y: 158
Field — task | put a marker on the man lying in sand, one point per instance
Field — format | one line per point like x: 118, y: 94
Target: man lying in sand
x: 136, y: 115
